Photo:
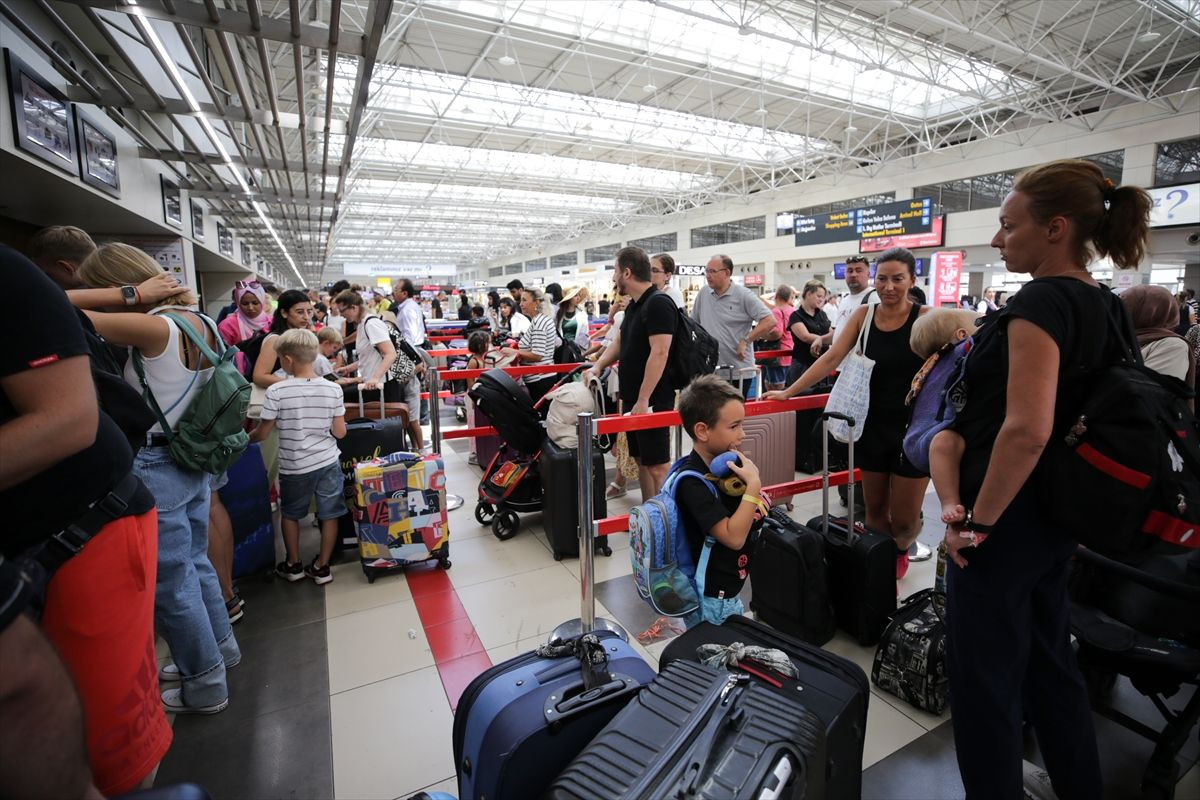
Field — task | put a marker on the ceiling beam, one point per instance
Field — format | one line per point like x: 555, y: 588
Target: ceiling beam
x: 305, y: 34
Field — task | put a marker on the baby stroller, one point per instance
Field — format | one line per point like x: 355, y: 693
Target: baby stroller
x: 1142, y: 621
x: 511, y: 483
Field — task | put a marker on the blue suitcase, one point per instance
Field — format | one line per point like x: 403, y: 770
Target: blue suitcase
x: 521, y: 722
x: 245, y: 497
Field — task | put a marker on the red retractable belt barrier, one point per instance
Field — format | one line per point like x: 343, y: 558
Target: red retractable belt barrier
x: 763, y: 355
x: 514, y: 372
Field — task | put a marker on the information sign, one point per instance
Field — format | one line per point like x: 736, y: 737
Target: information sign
x: 947, y: 277
x: 898, y: 218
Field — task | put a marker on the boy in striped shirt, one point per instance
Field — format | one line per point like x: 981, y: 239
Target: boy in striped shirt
x: 311, y: 417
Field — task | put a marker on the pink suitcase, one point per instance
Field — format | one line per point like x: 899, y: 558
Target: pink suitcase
x: 770, y: 442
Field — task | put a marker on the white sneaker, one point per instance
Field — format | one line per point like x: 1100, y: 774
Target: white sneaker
x: 169, y: 672
x: 172, y: 700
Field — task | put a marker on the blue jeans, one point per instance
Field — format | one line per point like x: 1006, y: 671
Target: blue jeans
x: 715, y: 610
x: 188, y: 606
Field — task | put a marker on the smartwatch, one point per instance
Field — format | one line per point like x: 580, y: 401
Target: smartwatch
x: 130, y: 295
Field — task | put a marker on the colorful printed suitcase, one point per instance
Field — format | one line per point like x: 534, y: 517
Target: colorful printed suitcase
x: 401, y: 501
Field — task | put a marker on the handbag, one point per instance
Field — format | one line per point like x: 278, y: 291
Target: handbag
x: 851, y: 394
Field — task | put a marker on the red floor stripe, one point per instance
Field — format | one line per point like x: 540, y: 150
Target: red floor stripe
x: 457, y: 650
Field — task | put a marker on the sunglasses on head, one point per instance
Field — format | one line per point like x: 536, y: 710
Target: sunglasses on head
x: 248, y: 285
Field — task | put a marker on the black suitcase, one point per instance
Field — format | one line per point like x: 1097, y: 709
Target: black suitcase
x: 835, y: 689
x: 862, y: 566
x: 789, y: 580
x: 698, y: 732
x: 560, y: 501
x: 365, y: 439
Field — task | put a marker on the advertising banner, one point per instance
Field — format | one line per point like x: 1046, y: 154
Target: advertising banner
x: 947, y: 277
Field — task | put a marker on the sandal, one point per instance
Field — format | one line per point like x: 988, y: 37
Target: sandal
x: 614, y: 491
x: 236, y: 608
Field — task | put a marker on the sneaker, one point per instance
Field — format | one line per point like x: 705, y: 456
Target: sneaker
x: 172, y: 700
x: 319, y: 574
x: 473, y: 459
x: 290, y: 572
x: 169, y: 672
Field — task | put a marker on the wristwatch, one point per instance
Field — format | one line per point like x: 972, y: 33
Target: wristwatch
x: 130, y: 295
x: 978, y: 527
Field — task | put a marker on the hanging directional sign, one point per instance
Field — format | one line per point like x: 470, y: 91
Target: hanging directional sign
x: 899, y: 218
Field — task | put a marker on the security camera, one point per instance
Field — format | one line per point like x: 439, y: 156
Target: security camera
x: 1193, y: 238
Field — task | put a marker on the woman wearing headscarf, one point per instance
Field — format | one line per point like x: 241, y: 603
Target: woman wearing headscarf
x: 250, y: 318
x: 1155, y: 314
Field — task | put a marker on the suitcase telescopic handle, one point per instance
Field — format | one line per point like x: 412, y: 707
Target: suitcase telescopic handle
x: 850, y: 423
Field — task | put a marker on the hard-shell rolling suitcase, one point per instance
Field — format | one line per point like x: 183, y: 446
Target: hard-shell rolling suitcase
x: 246, y: 499
x: 521, y: 722
x: 862, y: 564
x: 835, y: 689
x: 365, y: 439
x: 402, y: 512
x: 769, y: 442
x: 560, y: 501
x: 703, y: 733
x: 790, y: 580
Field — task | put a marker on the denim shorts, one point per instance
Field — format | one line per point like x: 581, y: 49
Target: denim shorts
x: 296, y: 492
x: 715, y: 610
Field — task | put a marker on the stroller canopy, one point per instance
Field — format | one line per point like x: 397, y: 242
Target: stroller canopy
x: 508, y: 405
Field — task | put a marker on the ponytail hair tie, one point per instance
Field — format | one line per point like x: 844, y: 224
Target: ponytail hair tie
x: 1109, y: 189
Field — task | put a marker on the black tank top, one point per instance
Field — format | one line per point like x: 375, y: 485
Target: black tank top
x: 895, y: 366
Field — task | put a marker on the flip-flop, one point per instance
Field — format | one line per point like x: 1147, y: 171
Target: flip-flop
x: 614, y: 491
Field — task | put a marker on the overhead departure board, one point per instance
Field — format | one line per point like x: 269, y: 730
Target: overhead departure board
x: 899, y: 218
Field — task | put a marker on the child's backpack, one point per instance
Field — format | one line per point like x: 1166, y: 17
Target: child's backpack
x: 666, y: 576
x: 209, y: 436
x: 935, y: 400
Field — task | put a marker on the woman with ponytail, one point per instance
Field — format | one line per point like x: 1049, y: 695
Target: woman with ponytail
x: 1009, y: 655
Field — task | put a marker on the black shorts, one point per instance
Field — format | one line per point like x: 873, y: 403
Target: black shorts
x: 881, y: 449
x: 651, y: 447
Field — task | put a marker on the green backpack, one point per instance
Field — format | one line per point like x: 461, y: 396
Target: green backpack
x: 209, y: 436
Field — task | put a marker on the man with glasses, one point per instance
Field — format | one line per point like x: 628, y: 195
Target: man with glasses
x: 735, y: 317
x: 662, y: 269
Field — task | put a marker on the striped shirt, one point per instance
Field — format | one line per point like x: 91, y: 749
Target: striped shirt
x: 304, y: 410
x: 540, y: 338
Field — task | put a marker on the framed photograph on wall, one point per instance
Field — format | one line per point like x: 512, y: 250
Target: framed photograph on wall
x: 172, y: 202
x: 224, y: 240
x: 245, y: 254
x: 197, y: 220
x: 42, y: 123
x: 98, y: 155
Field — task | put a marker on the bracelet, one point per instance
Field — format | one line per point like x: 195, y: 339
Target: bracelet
x: 978, y: 527
x: 749, y: 498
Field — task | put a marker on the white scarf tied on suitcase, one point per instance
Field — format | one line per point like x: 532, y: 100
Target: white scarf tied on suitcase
x: 851, y: 394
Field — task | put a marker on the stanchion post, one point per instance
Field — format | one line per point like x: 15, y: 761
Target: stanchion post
x: 587, y: 580
x: 435, y: 411
x: 588, y: 621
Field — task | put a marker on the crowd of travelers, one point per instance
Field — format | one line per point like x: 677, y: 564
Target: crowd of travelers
x: 97, y: 467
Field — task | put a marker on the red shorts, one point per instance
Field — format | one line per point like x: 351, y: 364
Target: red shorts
x: 100, y: 617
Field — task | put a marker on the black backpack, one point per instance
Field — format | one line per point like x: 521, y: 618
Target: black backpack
x: 1121, y: 474
x: 251, y: 348
x: 693, y: 352
x: 120, y: 401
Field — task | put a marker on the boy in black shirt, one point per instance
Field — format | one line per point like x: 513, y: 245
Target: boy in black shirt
x: 712, y: 411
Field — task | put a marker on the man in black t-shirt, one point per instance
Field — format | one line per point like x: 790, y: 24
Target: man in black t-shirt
x: 643, y: 344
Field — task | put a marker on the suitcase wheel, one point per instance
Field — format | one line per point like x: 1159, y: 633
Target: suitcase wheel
x: 506, y: 524
x: 484, y: 513
x: 558, y: 556
x: 605, y: 551
x: 444, y: 563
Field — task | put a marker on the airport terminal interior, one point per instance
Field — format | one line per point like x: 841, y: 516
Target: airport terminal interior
x: 437, y: 151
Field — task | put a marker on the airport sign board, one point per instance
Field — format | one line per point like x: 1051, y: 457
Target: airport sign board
x: 898, y: 218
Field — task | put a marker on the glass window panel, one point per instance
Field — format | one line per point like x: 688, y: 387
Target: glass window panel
x: 742, y: 230
x: 1177, y: 162
x: 663, y: 243
x: 565, y: 260
x: 535, y: 264
x: 603, y: 253
x: 512, y: 269
x: 989, y: 191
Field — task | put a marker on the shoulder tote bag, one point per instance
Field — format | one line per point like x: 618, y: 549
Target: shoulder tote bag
x: 851, y: 394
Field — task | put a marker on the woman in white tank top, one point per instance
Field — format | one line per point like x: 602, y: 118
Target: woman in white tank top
x: 189, y: 608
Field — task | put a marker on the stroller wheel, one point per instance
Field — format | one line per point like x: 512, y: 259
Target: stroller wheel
x: 506, y: 524
x: 484, y: 513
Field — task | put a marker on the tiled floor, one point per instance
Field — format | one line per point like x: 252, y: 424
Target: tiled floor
x: 346, y: 691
